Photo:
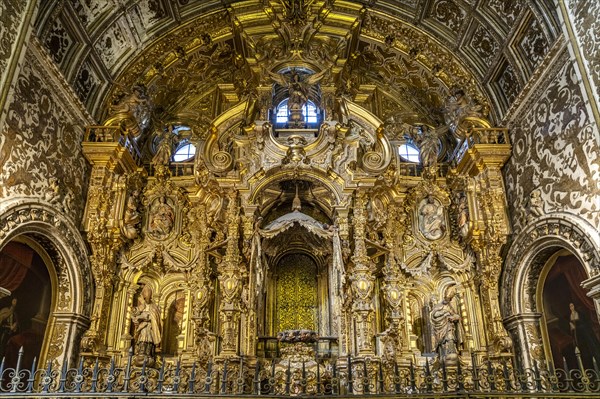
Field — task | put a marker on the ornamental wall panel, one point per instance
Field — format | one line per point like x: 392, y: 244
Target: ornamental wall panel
x: 555, y: 150
x: 40, y: 144
x: 587, y: 29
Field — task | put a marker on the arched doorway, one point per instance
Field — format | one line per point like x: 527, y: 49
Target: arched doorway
x: 571, y: 321
x: 25, y: 308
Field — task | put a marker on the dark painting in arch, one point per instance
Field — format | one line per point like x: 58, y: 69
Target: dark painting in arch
x: 571, y: 318
x: 24, y: 312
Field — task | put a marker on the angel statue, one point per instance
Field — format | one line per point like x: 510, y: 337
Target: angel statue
x: 163, y: 153
x: 299, y: 87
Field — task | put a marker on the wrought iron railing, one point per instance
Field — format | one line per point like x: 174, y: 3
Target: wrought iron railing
x: 314, y: 377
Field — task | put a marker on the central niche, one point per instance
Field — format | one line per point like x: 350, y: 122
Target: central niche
x: 296, y: 293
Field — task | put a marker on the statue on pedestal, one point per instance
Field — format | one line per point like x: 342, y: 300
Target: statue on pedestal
x: 445, y: 322
x: 147, y: 329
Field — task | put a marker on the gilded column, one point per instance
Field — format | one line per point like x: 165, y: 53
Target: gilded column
x: 488, y: 151
x: 341, y: 312
x: 362, y: 282
x: 256, y: 277
x: 393, y: 338
x: 201, y: 289
x: 111, y: 161
x: 231, y: 277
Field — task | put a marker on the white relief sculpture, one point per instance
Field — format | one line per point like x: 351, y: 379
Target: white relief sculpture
x: 162, y: 219
x: 432, y: 223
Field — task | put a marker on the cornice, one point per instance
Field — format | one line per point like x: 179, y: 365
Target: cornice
x: 41, y: 61
x: 554, y: 60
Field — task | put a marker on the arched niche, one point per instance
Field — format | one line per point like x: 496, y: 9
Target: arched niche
x: 174, y: 323
x: 173, y: 299
x: 58, y: 242
x: 570, y: 322
x: 296, y: 302
x: 297, y: 260
x: 526, y: 259
x: 297, y: 293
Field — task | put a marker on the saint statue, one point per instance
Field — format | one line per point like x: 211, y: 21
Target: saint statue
x: 462, y: 215
x: 132, y: 217
x: 428, y: 141
x: 165, y: 148
x: 445, y: 323
x: 147, y: 329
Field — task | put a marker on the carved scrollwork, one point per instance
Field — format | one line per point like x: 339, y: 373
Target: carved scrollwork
x: 373, y: 161
x: 222, y: 161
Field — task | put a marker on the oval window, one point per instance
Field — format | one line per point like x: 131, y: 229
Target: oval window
x: 184, y: 153
x: 409, y: 153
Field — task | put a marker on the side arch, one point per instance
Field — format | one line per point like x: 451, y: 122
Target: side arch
x: 532, y: 248
x: 57, y: 235
x: 521, y: 273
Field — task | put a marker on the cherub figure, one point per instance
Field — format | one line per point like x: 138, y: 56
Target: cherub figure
x: 536, y: 205
x: 52, y: 193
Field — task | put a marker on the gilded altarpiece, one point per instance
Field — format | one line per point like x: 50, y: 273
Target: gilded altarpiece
x: 308, y: 229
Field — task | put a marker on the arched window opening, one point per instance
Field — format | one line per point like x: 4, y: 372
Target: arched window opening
x: 25, y: 309
x: 571, y: 319
x: 309, y: 110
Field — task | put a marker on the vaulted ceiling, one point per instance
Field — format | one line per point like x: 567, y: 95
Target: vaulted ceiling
x: 196, y: 56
